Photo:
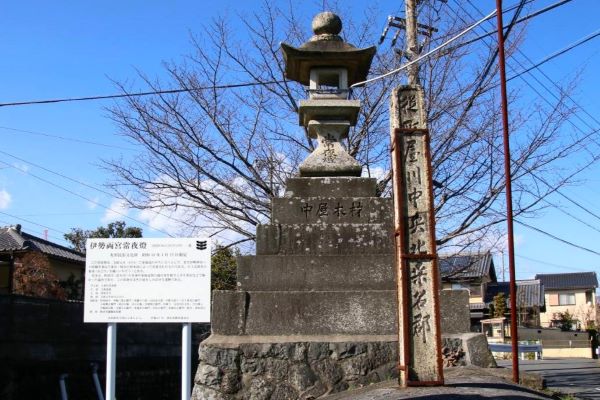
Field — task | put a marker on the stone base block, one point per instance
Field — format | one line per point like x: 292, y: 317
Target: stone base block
x: 291, y: 367
x: 304, y: 312
x: 319, y: 239
x: 331, y: 187
x: 331, y: 210
x: 454, y: 311
x: 282, y: 273
x: 467, y: 349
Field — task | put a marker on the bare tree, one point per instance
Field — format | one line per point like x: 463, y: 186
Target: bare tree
x: 213, y: 157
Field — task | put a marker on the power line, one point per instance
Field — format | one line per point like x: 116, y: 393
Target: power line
x: 430, y: 52
x: 33, y: 223
x: 65, y: 138
x: 59, y: 214
x: 139, y: 94
x: 91, y: 201
x: 557, y: 238
x: 561, y: 52
x: 536, y: 66
x: 518, y: 21
x: 216, y: 234
x: 549, y: 263
x: 551, y: 92
x: 248, y: 84
x: 89, y: 186
x: 572, y: 216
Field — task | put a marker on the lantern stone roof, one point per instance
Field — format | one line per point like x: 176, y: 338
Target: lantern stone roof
x: 326, y: 49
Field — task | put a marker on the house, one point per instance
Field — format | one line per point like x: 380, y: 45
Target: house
x: 572, y: 292
x: 67, y: 264
x: 476, y: 273
x: 530, y: 300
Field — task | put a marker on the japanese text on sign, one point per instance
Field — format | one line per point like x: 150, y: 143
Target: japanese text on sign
x: 147, y: 280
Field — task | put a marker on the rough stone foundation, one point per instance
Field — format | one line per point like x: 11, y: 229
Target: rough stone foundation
x: 282, y: 369
x: 291, y: 370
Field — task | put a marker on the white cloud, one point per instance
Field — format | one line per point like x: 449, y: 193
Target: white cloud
x: 5, y: 199
x: 493, y: 240
x: 93, y: 204
x: 188, y: 219
x: 375, y: 172
x: 117, y: 211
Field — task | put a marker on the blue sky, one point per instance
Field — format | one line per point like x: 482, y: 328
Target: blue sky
x: 70, y: 49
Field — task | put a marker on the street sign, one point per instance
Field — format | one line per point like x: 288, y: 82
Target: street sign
x: 147, y: 280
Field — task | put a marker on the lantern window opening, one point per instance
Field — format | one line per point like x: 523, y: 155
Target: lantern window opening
x: 328, y: 83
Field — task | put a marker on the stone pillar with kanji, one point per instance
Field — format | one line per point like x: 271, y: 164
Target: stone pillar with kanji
x: 420, y: 361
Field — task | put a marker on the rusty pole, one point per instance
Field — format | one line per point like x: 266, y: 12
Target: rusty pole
x: 509, y: 209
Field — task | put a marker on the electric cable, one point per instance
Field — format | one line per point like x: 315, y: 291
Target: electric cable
x: 139, y: 94
x: 91, y: 201
x: 564, y: 241
x: 65, y: 138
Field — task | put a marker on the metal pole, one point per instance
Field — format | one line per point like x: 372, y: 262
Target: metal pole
x: 401, y: 270
x: 186, y: 361
x: 509, y: 209
x: 111, y: 360
x: 63, y: 387
x: 412, y: 45
x: 99, y: 393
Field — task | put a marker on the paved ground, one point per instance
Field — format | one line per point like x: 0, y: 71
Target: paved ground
x: 577, y: 376
x: 467, y: 383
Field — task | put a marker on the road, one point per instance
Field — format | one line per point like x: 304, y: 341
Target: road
x: 577, y: 376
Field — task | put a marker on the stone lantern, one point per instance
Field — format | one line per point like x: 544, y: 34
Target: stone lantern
x: 328, y: 66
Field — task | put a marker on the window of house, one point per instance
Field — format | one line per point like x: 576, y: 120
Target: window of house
x: 475, y: 290
x: 458, y: 286
x: 589, y: 298
x: 566, y: 299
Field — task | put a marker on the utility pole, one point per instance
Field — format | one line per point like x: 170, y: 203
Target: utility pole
x: 508, y: 191
x: 412, y: 42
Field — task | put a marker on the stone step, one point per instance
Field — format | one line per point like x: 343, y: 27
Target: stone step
x: 320, y: 239
x: 243, y: 313
x: 312, y: 210
x: 366, y: 312
x: 331, y: 187
x: 355, y: 272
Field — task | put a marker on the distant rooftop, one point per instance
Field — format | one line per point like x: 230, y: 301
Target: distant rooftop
x: 467, y: 266
x: 13, y: 239
x: 530, y: 292
x: 572, y: 280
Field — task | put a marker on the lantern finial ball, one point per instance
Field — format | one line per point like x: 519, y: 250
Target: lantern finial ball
x: 326, y: 23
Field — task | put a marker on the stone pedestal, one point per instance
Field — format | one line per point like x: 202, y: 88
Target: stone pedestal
x: 315, y: 310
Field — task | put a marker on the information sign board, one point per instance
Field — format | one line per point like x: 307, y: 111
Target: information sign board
x: 147, y: 280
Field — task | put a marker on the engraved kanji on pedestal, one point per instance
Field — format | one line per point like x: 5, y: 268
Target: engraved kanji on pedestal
x: 419, y: 343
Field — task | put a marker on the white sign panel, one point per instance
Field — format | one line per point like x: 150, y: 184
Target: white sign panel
x: 147, y: 280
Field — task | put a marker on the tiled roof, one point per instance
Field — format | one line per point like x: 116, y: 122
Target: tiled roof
x: 467, y: 267
x: 530, y: 292
x: 13, y: 239
x: 575, y: 280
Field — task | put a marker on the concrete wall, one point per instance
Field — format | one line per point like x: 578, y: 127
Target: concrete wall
x: 581, y: 309
x: 63, y: 269
x: 557, y: 343
x: 40, y: 339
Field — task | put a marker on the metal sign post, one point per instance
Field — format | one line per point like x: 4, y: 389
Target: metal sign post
x: 111, y: 360
x: 186, y: 361
x: 148, y: 280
